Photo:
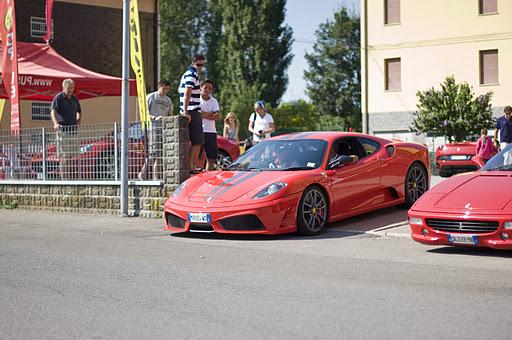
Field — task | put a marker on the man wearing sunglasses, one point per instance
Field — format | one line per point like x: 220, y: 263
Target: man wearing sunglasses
x: 190, y: 107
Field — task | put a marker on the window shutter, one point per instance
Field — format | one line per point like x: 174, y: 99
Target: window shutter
x: 392, y: 11
x: 489, y: 67
x: 393, y: 74
x: 488, y: 6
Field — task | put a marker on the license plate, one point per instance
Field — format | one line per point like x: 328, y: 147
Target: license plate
x: 459, y: 157
x: 199, y: 217
x: 462, y: 239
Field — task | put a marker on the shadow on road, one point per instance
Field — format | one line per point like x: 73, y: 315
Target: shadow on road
x: 471, y: 251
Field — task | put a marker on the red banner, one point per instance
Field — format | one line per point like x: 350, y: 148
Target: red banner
x: 49, y: 11
x: 10, y: 60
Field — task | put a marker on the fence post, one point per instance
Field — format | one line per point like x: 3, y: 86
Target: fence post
x: 116, y: 151
x: 43, y: 140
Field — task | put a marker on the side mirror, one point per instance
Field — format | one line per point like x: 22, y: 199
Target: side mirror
x: 339, y: 160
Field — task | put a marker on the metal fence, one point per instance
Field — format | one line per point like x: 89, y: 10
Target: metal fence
x: 85, y: 152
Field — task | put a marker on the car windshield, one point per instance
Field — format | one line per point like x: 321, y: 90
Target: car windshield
x: 282, y: 155
x: 502, y: 161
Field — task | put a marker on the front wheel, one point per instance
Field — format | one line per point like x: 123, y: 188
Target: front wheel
x: 416, y: 184
x: 312, y: 213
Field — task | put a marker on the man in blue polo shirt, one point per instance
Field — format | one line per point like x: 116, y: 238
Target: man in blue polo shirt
x: 65, y: 114
x: 190, y: 107
x: 504, y: 126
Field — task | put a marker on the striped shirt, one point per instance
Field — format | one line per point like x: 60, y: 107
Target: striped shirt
x: 190, y: 79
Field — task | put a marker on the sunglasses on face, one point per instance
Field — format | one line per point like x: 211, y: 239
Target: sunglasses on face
x: 200, y: 65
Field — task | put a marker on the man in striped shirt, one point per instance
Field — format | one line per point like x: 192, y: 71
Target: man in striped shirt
x: 190, y: 107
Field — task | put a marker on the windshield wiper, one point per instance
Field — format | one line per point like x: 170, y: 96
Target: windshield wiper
x: 503, y: 167
x: 295, y: 168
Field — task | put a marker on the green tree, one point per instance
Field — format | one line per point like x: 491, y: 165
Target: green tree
x: 333, y: 76
x: 454, y: 111
x: 254, y: 52
x: 182, y: 30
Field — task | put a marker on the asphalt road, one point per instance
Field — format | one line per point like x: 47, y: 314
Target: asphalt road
x: 66, y: 276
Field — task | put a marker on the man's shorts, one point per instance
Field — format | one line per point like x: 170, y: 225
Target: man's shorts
x: 195, y: 128
x: 210, y: 145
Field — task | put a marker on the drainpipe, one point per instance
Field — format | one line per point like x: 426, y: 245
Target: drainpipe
x: 364, y: 65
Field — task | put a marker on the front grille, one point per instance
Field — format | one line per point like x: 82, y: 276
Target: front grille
x: 175, y: 221
x: 244, y: 222
x: 463, y: 226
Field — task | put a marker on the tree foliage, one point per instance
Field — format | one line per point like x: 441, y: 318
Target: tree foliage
x: 333, y: 76
x: 454, y: 111
x: 254, y: 52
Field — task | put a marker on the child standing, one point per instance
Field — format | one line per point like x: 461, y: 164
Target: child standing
x: 484, y: 146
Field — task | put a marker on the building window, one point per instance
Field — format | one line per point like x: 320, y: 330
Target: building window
x: 392, y: 74
x: 40, y: 111
x: 489, y: 67
x: 487, y: 6
x: 391, y: 12
x: 38, y: 27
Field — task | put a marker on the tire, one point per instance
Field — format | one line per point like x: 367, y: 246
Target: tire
x: 312, y: 213
x: 416, y: 184
x: 223, y: 159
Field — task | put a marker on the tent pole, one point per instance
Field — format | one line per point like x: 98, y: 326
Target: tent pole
x: 125, y: 108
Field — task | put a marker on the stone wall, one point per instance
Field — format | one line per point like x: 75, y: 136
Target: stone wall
x: 143, y: 199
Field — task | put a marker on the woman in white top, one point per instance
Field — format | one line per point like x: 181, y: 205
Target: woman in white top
x: 261, y: 123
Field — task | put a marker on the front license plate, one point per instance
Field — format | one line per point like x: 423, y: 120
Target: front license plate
x: 459, y: 157
x: 462, y: 239
x: 199, y: 217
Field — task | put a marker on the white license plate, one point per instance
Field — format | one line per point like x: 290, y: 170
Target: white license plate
x: 459, y: 157
x: 199, y: 217
x: 462, y: 239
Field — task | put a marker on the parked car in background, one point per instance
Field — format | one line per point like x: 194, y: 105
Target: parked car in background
x: 473, y: 210
x: 96, y: 158
x: 454, y: 158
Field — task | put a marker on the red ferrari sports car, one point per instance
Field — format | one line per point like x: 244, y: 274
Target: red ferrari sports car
x: 454, y: 158
x: 300, y: 182
x: 473, y: 209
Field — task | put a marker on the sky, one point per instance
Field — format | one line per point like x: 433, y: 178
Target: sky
x: 304, y: 17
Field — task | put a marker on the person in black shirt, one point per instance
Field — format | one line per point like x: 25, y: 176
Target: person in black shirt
x: 65, y: 113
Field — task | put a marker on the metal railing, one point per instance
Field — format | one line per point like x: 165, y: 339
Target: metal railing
x: 85, y: 152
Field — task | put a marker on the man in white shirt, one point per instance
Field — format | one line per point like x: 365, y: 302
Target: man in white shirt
x: 210, y: 112
x: 261, y: 123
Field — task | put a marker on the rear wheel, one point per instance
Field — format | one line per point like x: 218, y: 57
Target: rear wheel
x: 312, y: 213
x: 416, y: 184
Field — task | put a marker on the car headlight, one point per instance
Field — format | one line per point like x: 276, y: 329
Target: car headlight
x: 415, y: 221
x: 179, y: 189
x: 507, y: 225
x: 270, y: 190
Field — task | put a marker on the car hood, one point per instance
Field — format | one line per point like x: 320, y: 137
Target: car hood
x: 229, y: 186
x: 480, y: 192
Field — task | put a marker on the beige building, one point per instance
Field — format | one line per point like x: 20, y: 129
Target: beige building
x: 412, y: 45
x: 89, y: 34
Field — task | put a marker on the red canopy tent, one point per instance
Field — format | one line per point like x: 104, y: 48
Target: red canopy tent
x: 41, y: 71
